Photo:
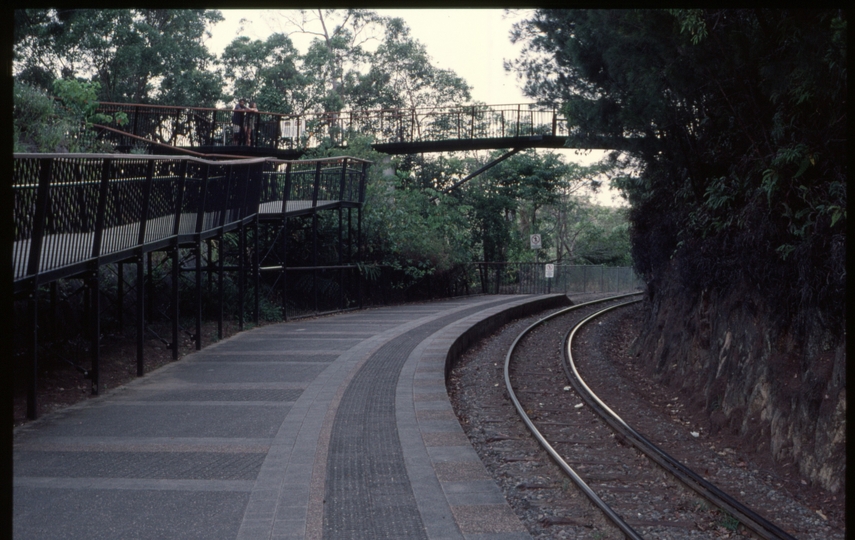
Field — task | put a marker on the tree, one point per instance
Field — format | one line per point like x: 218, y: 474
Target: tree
x: 45, y: 123
x: 136, y: 55
x: 402, y: 76
x: 267, y: 72
x: 742, y: 170
x: 520, y: 196
x: 336, y: 55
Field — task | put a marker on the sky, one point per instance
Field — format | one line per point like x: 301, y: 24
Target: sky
x: 474, y: 43
x: 471, y: 42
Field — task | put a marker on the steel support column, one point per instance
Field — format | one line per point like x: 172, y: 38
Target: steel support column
x: 95, y: 328
x: 198, y: 275
x: 255, y: 270
x: 33, y: 356
x: 286, y: 196
x: 120, y: 295
x: 140, y: 313
x: 315, y: 192
x: 175, y: 308
x: 241, y: 272
x: 220, y: 253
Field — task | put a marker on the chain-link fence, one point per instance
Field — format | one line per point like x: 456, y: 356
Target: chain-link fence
x: 544, y: 278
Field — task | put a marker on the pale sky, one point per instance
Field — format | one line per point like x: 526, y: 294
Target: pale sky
x: 474, y: 43
x: 471, y: 42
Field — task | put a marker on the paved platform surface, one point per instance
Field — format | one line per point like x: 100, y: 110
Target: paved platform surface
x: 338, y: 427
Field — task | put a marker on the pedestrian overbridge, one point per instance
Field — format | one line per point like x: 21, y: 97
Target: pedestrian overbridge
x: 392, y: 131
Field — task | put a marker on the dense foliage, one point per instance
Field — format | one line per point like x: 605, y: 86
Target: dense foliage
x: 136, y: 55
x: 741, y: 117
x: 60, y: 122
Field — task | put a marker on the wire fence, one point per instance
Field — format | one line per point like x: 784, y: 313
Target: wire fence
x: 545, y: 278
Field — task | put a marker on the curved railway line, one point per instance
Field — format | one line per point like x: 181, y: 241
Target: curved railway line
x: 615, y: 511
x: 641, y: 490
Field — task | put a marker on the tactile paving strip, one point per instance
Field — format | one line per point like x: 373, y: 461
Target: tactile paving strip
x: 368, y: 493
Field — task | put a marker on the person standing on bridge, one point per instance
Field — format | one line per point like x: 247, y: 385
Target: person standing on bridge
x: 238, y: 118
x: 250, y: 121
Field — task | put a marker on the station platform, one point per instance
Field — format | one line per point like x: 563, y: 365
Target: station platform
x: 336, y: 427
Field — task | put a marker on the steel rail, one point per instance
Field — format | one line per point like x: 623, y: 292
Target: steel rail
x: 709, y: 491
x: 592, y: 495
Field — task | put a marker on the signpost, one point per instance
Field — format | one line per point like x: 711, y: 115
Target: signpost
x: 535, y: 241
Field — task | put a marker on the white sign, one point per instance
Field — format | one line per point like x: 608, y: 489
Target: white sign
x: 535, y: 241
x: 550, y: 271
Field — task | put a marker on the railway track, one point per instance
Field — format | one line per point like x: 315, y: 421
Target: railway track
x: 644, y: 500
x: 624, y: 474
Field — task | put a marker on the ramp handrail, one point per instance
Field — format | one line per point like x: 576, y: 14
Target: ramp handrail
x: 73, y: 211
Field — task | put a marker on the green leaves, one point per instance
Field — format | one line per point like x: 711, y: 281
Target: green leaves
x: 44, y: 124
x: 136, y: 55
x: 742, y: 174
x: 81, y: 100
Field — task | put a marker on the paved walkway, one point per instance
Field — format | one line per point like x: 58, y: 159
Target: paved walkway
x: 331, y: 428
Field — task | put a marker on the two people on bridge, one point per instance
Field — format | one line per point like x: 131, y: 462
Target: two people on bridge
x: 244, y: 119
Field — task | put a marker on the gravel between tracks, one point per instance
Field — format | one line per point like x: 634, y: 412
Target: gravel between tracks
x: 551, y: 507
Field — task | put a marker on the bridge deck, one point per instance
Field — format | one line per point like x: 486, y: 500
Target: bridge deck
x: 337, y: 427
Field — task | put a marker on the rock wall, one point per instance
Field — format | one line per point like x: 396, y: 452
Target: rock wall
x: 783, y: 395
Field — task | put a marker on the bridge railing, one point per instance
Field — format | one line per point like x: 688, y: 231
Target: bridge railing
x: 197, y: 126
x: 73, y: 211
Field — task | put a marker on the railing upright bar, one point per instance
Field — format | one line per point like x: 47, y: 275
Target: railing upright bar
x: 39, y: 219
x: 203, y: 198
x: 225, y: 202
x: 146, y: 202
x: 317, y: 185
x: 102, y: 208
x: 135, y: 129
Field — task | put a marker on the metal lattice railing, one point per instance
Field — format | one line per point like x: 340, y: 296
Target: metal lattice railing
x: 75, y: 210
x: 198, y: 127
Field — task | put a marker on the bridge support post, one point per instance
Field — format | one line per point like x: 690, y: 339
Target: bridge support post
x: 210, y: 266
x: 340, y: 260
x: 220, y: 253
x: 241, y: 272
x: 150, y: 283
x: 198, y: 275
x: 120, y: 294
x: 95, y: 328
x: 359, y: 252
x: 284, y: 274
x: 255, y: 269
x: 140, y: 313
x: 175, y: 277
x: 33, y: 356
